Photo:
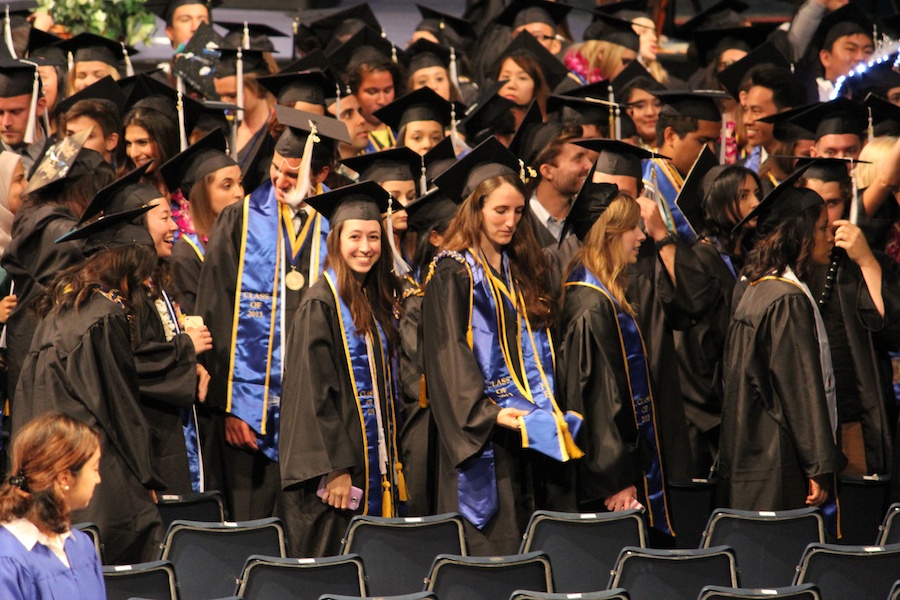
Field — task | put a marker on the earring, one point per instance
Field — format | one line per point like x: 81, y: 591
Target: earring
x: 66, y: 488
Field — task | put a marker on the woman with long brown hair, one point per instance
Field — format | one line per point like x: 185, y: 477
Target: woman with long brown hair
x: 488, y: 358
x: 55, y: 468
x: 338, y: 447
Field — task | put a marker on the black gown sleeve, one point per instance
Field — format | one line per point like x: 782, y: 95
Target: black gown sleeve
x: 695, y: 290
x: 186, y: 265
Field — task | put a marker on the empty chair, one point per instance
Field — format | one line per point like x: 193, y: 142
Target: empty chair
x: 807, y: 591
x: 690, y: 505
x: 94, y: 531
x: 889, y: 532
x: 301, y: 578
x: 768, y: 545
x: 614, y: 594
x: 650, y: 574
x: 416, y: 596
x: 864, y: 499
x: 465, y: 577
x: 397, y: 553
x: 203, y: 506
x: 842, y: 572
x: 150, y: 581
x: 895, y: 591
x: 583, y: 548
x: 209, y: 557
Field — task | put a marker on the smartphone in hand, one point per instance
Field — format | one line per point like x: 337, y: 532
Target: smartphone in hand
x: 356, y: 494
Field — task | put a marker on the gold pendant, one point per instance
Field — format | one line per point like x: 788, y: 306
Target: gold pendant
x: 294, y: 280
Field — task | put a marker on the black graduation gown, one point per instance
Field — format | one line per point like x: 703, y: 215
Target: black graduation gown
x: 186, y: 265
x: 167, y: 376
x: 593, y: 380
x: 776, y: 431
x: 320, y: 426
x: 81, y: 363
x: 32, y: 259
x: 466, y: 418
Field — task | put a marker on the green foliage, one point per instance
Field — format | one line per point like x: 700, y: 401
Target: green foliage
x: 121, y: 20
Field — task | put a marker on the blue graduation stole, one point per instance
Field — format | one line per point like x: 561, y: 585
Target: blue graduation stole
x: 194, y: 242
x: 754, y: 159
x: 642, y: 398
x: 545, y: 429
x: 382, y: 465
x: 669, y: 183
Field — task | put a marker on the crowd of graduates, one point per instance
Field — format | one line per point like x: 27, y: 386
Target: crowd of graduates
x: 488, y: 271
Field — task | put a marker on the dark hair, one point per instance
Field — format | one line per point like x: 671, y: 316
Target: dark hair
x: 647, y: 84
x: 101, y: 111
x: 526, y: 61
x: 789, y: 244
x: 722, y: 205
x: 47, y: 446
x: 356, y: 75
x: 550, y: 152
x: 425, y: 251
x: 376, y: 296
x: 682, y: 125
x: 785, y: 91
x: 163, y: 131
x: 76, y: 192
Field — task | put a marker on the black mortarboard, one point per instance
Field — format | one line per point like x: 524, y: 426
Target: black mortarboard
x: 437, y: 22
x: 315, y: 60
x: 66, y: 159
x: 885, y: 116
x: 364, y: 46
x: 839, y: 116
x: 196, y: 63
x: 488, y: 159
x: 523, y: 12
x: 577, y: 111
x: 214, y: 117
x: 877, y: 79
x: 365, y: 201
x: 257, y: 38
x: 165, y: 9
x: 700, y: 104
x: 16, y: 78
x: 312, y: 87
x: 424, y: 104
x: 615, y: 8
x: 735, y: 74
x: 422, y: 54
x: 328, y: 24
x: 785, y: 130
x: 489, y: 114
x: 618, y: 158
x: 847, y: 20
x: 439, y: 158
x: 207, y: 155
x: 43, y: 49
x: 554, y: 71
x: 590, y: 203
x: 104, y: 89
x: 89, y: 47
x: 253, y: 61
x: 297, y: 129
x: 610, y: 29
x: 785, y: 201
x: 630, y: 74
x: 394, y: 164
x: 722, y: 14
x: 150, y: 93
x: 690, y: 198
x: 711, y: 43
x: 826, y: 169
x: 533, y: 134
x: 429, y: 211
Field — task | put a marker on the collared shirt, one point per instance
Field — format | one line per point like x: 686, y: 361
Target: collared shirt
x: 825, y: 89
x: 553, y: 225
x: 28, y: 534
x: 30, y: 154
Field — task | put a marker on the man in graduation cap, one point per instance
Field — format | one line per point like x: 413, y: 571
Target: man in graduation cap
x: 99, y: 108
x: 182, y: 17
x: 262, y: 254
x: 20, y: 106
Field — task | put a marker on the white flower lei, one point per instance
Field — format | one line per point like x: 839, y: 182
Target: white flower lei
x: 166, y: 319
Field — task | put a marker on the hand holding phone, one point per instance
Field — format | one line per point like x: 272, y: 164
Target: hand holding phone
x: 355, y: 498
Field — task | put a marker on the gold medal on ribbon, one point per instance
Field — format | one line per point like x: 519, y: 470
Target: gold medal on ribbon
x: 294, y: 280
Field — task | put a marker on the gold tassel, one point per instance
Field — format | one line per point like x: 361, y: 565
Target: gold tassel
x: 387, y: 506
x: 469, y: 337
x: 402, y: 493
x: 571, y: 448
x: 423, y: 398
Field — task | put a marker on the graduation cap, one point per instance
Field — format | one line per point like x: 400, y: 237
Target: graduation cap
x: 577, y: 111
x: 255, y: 36
x: 721, y: 15
x: 207, y: 155
x: 429, y: 211
x: 878, y: 79
x: 152, y: 94
x: 847, y: 20
x: 214, y: 117
x: 589, y: 205
x: 524, y: 12
x: 165, y: 9
x: 394, y: 164
x: 488, y: 159
x: 827, y: 169
x: 86, y: 47
x: 439, y: 158
x: 330, y: 24
x: 43, y: 49
x: 712, y: 42
x: 66, y: 159
x: 785, y: 201
x: 17, y: 13
x: 422, y: 54
x: 554, y: 71
x: 312, y: 86
x: 701, y: 104
x: 885, y: 116
x: 197, y: 61
x: 423, y: 104
x: 785, y: 130
x: 617, y: 8
x: 106, y: 90
x: 365, y: 201
x: 533, y: 135
x: 735, y: 74
x: 840, y: 116
x: 438, y: 23
x: 236, y: 60
x: 631, y: 74
x: 364, y: 46
x: 618, y: 158
x: 610, y: 29
x: 20, y: 78
x: 489, y: 114
x: 690, y: 198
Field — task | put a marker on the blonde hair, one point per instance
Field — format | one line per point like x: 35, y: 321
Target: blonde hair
x: 602, y: 253
x: 876, y: 152
x: 70, y: 77
x: 603, y: 56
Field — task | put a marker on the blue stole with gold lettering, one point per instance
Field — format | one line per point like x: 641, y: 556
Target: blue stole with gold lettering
x: 669, y: 183
x: 545, y: 429
x: 379, y: 423
x: 641, y: 395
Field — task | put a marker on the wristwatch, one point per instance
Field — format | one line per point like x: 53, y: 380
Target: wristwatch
x: 671, y: 238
